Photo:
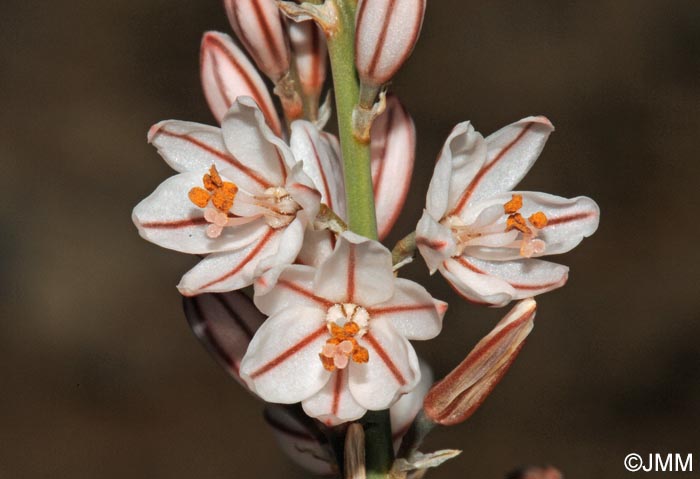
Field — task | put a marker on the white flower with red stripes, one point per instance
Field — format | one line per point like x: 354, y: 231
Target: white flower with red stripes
x: 250, y: 214
x: 482, y: 236
x: 337, y: 335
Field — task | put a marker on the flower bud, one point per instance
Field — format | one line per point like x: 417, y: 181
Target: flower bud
x: 259, y: 27
x: 225, y: 324
x: 386, y: 31
x: 309, y: 48
x: 393, y: 151
x: 460, y: 393
x: 301, y: 440
x: 226, y: 74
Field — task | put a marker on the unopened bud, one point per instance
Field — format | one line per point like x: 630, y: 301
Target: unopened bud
x: 461, y: 392
x: 309, y: 47
x: 386, y: 32
x: 225, y: 324
x: 258, y: 25
x: 227, y: 74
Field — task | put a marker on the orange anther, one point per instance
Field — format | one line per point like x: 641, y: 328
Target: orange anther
x: 351, y: 329
x: 517, y: 222
x: 221, y: 193
x: 513, y: 205
x: 327, y: 363
x: 538, y: 220
x: 360, y: 354
x: 199, y: 196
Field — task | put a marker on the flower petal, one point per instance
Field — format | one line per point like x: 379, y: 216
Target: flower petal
x: 387, y: 30
x: 359, y: 271
x: 499, y: 282
x: 304, y: 192
x: 392, y: 369
x: 169, y: 219
x: 282, y: 363
x: 294, y: 287
x: 434, y: 241
x: 251, y: 141
x: 393, y: 152
x: 412, y: 311
x: 302, y: 442
x: 512, y: 151
x: 334, y: 404
x: 226, y: 74
x: 225, y: 325
x: 309, y: 46
x: 188, y: 146
x: 568, y: 222
x: 317, y: 246
x: 462, y: 155
x: 259, y: 27
x: 309, y: 147
x: 404, y: 411
x: 230, y: 270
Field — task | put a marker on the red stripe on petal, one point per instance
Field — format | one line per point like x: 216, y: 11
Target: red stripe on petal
x: 267, y: 33
x: 172, y: 225
x: 219, y: 154
x: 298, y: 289
x: 485, y: 169
x: 270, y: 365
x: 567, y: 218
x: 351, y: 273
x: 317, y: 158
x: 379, y: 47
x: 265, y: 239
x: 337, y: 390
x: 432, y: 244
x: 521, y: 286
x: 385, y: 358
x: 400, y: 309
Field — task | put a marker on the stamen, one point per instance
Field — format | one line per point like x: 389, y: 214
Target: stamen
x: 346, y: 323
x: 220, y: 193
x: 516, y: 222
x: 513, y: 205
x: 538, y: 220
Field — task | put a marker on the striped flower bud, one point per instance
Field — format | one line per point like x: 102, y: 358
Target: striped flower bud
x: 460, y: 393
x: 226, y: 74
x: 386, y: 31
x: 309, y: 48
x: 393, y: 151
x: 225, y: 324
x: 259, y: 27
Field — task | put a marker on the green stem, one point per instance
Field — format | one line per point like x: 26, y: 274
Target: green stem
x: 379, y: 453
x: 356, y: 155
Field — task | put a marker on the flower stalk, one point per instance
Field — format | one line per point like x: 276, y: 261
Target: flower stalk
x: 356, y: 154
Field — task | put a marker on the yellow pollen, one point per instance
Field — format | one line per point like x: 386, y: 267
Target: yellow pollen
x: 221, y: 193
x: 538, y: 220
x: 513, y: 205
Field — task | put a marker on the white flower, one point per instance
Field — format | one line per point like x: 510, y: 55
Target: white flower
x: 482, y: 236
x: 242, y: 172
x: 302, y: 352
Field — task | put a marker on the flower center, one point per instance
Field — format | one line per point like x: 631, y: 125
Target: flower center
x: 487, y: 230
x: 346, y: 323
x: 280, y: 208
x: 217, y: 197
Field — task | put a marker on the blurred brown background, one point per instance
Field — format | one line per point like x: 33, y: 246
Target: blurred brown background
x: 100, y: 374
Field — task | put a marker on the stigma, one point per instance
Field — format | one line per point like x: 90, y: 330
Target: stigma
x: 346, y: 323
